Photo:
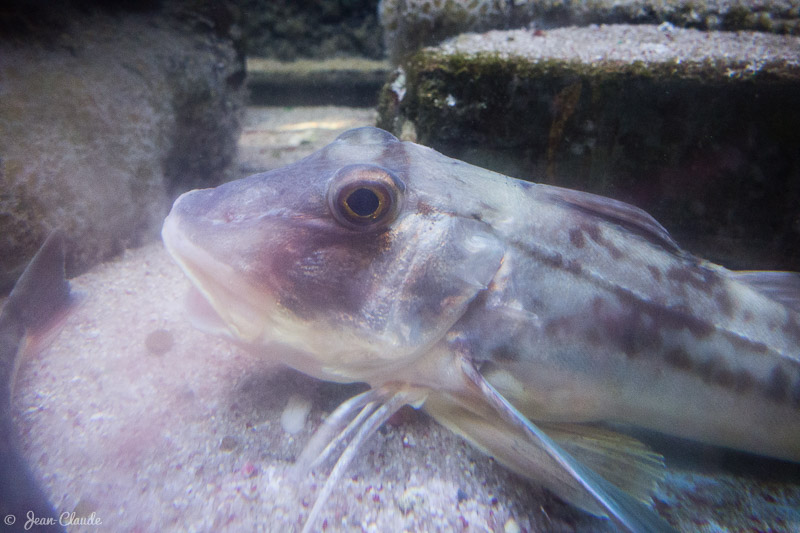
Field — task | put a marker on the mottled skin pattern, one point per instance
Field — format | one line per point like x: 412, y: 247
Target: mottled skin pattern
x: 574, y: 307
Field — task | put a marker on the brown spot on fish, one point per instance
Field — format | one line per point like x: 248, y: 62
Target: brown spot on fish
x: 314, y: 274
x: 796, y: 393
x: 576, y: 238
x: 714, y: 371
x: 593, y: 231
x: 698, y: 278
x: 679, y: 359
x: 633, y: 332
x: 505, y: 353
x: 676, y: 317
x: 744, y: 381
x: 558, y: 327
x: 747, y: 316
x: 792, y: 327
x: 655, y: 272
x: 778, y: 385
x: 425, y: 209
x: 614, y: 251
x: 597, y: 236
x: 573, y: 267
x: 747, y: 344
x: 725, y: 303
x: 555, y: 260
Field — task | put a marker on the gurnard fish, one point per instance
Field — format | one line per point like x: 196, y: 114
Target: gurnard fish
x: 30, y: 317
x: 521, y: 316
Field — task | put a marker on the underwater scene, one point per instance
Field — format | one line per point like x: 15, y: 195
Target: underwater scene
x: 400, y: 265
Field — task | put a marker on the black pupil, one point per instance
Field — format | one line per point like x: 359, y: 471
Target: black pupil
x: 363, y: 202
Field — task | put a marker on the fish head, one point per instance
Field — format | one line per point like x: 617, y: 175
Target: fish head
x: 347, y: 264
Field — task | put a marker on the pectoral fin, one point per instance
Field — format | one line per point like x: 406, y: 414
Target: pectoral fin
x: 500, y: 430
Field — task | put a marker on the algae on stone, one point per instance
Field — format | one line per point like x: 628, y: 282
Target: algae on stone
x: 704, y: 139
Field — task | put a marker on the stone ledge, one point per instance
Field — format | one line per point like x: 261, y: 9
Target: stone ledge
x: 411, y: 24
x: 698, y: 128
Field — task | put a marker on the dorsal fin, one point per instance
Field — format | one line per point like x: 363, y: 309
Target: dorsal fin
x: 783, y: 287
x: 626, y: 215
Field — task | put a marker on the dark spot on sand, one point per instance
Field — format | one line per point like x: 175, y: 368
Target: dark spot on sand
x: 159, y: 342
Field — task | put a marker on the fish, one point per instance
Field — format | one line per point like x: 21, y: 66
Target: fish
x: 30, y: 317
x: 532, y: 320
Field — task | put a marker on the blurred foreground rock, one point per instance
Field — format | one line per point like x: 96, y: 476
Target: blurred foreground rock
x: 105, y: 116
x: 697, y: 128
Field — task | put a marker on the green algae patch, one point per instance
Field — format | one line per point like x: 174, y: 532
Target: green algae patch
x: 683, y: 124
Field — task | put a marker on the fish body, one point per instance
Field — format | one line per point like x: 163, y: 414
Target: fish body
x: 514, y: 313
x: 31, y: 314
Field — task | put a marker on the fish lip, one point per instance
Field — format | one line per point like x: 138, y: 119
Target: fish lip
x: 205, y: 271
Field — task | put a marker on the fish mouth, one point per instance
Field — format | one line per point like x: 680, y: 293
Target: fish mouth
x: 223, y: 288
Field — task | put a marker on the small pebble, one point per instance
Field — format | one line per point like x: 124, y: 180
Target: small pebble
x: 294, y: 415
x: 412, y: 497
x: 228, y: 443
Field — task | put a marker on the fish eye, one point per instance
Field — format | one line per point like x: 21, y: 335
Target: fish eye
x: 365, y: 196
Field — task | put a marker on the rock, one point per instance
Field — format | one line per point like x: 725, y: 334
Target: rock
x: 410, y: 24
x: 287, y: 30
x: 697, y: 128
x: 104, y: 118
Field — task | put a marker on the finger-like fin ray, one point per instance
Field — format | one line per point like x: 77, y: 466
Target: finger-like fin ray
x: 370, y: 418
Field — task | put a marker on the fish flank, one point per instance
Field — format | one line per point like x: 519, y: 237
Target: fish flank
x: 638, y: 331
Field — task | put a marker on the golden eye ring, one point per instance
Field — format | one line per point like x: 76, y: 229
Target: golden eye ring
x: 365, y: 196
